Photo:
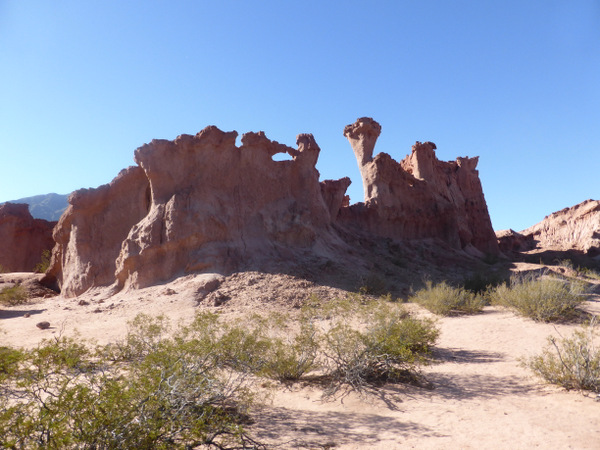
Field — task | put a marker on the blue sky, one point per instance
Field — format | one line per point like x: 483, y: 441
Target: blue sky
x: 84, y: 83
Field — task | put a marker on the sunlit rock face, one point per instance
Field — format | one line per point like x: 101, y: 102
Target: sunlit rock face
x: 200, y: 203
x: 574, y: 228
x: 219, y: 207
x: 419, y: 197
x: 23, y: 239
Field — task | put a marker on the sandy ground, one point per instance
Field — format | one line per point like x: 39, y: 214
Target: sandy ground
x: 482, y: 396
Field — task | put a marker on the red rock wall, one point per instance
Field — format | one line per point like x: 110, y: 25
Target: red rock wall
x: 91, y: 231
x: 200, y: 203
x: 219, y: 207
x: 420, y: 197
x: 22, y: 238
x: 574, y: 228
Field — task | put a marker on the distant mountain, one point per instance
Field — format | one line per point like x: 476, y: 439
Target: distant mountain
x: 48, y: 206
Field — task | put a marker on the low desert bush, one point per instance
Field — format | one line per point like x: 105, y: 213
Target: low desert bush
x: 13, y: 296
x: 191, y: 386
x: 173, y: 394
x: 542, y: 299
x: 573, y: 362
x: 382, y: 343
x: 447, y: 300
x: 290, y: 358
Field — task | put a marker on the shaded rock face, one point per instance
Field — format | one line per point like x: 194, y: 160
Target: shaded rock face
x: 419, y: 197
x: 202, y: 204
x: 22, y: 238
x: 574, y: 228
x: 91, y: 231
x: 510, y: 241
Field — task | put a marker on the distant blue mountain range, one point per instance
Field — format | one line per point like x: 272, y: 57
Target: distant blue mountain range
x: 48, y: 206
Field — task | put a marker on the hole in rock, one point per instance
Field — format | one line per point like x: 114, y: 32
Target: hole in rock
x: 282, y: 157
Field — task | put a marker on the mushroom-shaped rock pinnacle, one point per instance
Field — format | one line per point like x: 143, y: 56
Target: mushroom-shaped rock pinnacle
x: 362, y: 135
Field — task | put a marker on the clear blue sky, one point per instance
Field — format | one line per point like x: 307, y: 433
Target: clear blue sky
x: 84, y: 83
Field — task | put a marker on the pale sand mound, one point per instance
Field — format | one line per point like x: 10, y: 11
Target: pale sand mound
x: 482, y: 397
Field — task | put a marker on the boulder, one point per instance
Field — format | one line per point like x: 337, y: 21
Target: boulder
x: 23, y: 239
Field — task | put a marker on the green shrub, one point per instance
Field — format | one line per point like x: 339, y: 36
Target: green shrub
x: 389, y: 346
x: 289, y: 359
x: 573, y: 363
x: 44, y: 263
x: 13, y: 296
x: 173, y: 394
x: 544, y: 299
x: 447, y: 300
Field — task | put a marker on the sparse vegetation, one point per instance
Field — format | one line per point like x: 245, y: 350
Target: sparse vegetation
x: 373, y: 284
x: 44, y: 263
x: 573, y: 362
x: 542, y: 299
x: 13, y: 295
x: 482, y: 281
x: 447, y: 300
x: 192, y: 386
x: 173, y: 394
x: 370, y: 341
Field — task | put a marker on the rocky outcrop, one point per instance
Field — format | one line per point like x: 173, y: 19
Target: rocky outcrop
x: 216, y: 207
x: 202, y: 204
x: 91, y: 231
x: 575, y: 228
x: 510, y: 241
x: 23, y: 239
x: 419, y: 197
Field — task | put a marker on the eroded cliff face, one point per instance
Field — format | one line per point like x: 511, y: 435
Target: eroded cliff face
x: 419, y: 197
x: 91, y: 231
x: 574, y: 228
x: 217, y: 207
x: 23, y: 239
x: 202, y: 204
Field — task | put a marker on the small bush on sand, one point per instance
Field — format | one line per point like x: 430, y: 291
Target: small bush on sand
x: 447, y: 300
x: 543, y: 299
x: 384, y: 344
x: 173, y: 394
x: 573, y: 362
x: 13, y: 296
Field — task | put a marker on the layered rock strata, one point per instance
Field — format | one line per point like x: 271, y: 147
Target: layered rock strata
x: 202, y: 204
x: 574, y: 228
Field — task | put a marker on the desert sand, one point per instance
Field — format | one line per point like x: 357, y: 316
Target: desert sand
x: 482, y: 396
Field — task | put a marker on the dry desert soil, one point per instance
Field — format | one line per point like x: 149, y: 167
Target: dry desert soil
x: 482, y: 396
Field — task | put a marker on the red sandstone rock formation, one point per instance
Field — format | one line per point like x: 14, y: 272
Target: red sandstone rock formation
x: 217, y: 207
x: 420, y: 197
x: 574, y: 228
x: 22, y: 238
x: 91, y: 231
x: 200, y: 203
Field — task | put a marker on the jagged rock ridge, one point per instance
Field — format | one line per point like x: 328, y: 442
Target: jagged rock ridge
x: 573, y: 229
x: 202, y: 204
